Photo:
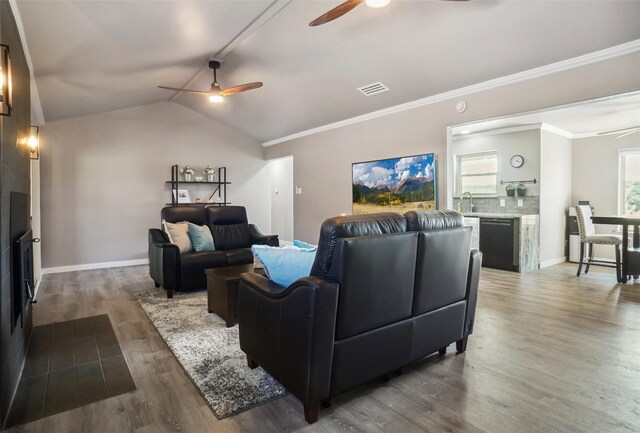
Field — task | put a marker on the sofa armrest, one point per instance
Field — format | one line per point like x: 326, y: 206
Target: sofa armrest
x: 290, y: 331
x: 164, y: 260
x: 473, y: 279
x: 258, y: 238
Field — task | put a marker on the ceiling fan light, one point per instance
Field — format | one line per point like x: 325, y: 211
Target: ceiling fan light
x: 377, y: 3
x: 216, y: 98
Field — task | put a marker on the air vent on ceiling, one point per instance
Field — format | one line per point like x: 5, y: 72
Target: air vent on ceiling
x: 373, y: 89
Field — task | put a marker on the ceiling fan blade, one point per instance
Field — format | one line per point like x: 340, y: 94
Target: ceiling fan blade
x: 631, y: 131
x: 613, y: 131
x: 241, y: 88
x: 336, y: 12
x: 184, y: 90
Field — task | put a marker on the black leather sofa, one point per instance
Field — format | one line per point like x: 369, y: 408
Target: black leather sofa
x: 232, y: 236
x: 385, y: 290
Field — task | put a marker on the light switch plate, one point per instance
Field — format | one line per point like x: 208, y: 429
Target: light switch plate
x: 502, y: 202
x: 520, y: 202
x: 298, y: 190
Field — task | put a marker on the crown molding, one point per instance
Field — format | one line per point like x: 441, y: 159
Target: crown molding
x: 575, y: 62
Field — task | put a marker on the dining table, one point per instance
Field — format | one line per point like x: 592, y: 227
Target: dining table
x: 630, y: 255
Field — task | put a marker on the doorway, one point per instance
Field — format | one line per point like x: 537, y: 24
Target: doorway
x: 281, y: 171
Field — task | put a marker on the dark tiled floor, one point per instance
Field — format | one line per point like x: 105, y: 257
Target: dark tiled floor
x: 69, y: 364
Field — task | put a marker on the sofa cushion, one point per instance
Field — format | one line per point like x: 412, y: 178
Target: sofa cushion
x: 433, y: 219
x: 193, y: 264
x: 376, y: 276
x: 284, y: 265
x: 194, y: 214
x: 352, y: 226
x: 231, y: 236
x: 201, y: 238
x: 223, y: 215
x: 239, y: 256
x: 178, y: 234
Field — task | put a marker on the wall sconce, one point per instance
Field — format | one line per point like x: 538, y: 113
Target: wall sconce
x: 34, y: 142
x: 6, y: 88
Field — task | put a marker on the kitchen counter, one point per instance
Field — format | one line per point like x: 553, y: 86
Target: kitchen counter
x: 495, y: 215
x: 528, y: 234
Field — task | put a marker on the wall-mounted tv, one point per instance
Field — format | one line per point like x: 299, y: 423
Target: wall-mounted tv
x: 395, y: 184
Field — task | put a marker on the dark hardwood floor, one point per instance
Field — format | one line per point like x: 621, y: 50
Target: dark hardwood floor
x: 551, y: 352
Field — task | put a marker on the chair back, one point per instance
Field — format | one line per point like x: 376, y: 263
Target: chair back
x: 585, y: 225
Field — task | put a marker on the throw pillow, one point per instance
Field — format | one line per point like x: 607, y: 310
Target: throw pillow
x: 178, y: 234
x: 284, y: 265
x: 201, y: 238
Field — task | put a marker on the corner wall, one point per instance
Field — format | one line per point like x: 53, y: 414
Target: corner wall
x: 322, y: 162
x: 103, y: 178
x: 555, y: 196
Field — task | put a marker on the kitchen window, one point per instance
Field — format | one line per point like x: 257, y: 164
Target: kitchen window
x: 629, y: 182
x: 477, y: 173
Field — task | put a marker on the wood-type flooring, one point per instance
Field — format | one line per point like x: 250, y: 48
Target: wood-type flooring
x: 551, y: 352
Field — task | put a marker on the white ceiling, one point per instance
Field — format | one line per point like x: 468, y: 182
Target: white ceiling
x: 95, y: 56
x: 579, y: 120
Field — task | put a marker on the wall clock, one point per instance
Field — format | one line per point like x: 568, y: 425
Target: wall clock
x: 517, y: 161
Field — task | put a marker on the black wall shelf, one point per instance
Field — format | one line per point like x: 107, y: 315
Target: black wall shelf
x: 219, y: 188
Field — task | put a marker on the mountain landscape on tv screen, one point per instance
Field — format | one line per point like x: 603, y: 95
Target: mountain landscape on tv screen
x: 398, y: 185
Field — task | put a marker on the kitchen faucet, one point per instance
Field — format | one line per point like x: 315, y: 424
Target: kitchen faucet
x: 464, y: 194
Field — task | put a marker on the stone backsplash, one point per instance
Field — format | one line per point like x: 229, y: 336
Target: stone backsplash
x: 530, y: 205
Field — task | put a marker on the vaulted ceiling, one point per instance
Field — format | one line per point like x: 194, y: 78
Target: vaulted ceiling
x: 95, y: 56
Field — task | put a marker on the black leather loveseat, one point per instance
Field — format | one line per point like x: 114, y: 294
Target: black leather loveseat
x: 385, y: 290
x: 232, y: 236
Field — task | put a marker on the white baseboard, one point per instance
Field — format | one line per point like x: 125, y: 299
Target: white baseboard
x: 72, y: 268
x: 552, y: 262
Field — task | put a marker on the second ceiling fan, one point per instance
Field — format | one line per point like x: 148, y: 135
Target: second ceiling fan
x: 347, y: 6
x: 216, y: 94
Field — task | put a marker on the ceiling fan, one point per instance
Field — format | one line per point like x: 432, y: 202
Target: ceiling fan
x: 623, y: 132
x: 216, y: 94
x: 347, y: 6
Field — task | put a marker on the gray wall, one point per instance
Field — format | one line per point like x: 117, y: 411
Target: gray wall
x: 322, y: 162
x: 525, y: 143
x: 103, y: 178
x: 282, y: 200
x: 555, y: 195
x: 14, y: 169
x: 595, y: 178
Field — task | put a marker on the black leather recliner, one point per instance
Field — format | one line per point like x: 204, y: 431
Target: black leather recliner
x: 385, y: 290
x: 232, y: 236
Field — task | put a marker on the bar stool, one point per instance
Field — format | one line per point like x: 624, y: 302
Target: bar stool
x: 588, y: 237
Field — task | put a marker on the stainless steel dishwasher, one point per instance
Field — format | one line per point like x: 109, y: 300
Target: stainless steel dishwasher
x: 499, y: 243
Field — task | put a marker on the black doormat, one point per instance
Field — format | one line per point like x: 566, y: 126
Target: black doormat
x: 69, y: 364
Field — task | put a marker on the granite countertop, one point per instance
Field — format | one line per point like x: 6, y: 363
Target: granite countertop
x: 495, y: 215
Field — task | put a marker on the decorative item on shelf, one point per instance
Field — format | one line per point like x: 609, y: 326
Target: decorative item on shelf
x: 210, y: 172
x: 199, y: 178
x: 34, y: 142
x: 521, y: 189
x: 6, y: 87
x: 187, y: 173
x: 511, y: 190
x: 183, y: 196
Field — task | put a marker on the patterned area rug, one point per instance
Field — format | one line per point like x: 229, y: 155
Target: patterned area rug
x: 209, y: 352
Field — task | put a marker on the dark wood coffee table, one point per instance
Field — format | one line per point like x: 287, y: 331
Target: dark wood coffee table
x: 222, y: 290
